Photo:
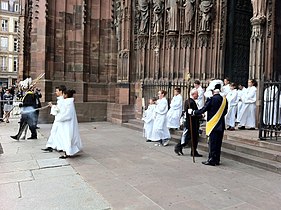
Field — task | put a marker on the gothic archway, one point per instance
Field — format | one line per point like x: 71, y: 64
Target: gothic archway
x: 237, y: 52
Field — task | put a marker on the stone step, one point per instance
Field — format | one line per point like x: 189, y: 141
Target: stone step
x: 252, y: 150
x: 272, y: 145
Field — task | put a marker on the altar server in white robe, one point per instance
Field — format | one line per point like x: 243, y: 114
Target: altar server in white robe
x: 68, y: 126
x: 175, y: 111
x: 53, y: 141
x: 270, y: 107
x: 248, y: 110
x: 226, y: 87
x: 160, y: 131
x: 232, y: 99
x: 240, y: 93
x: 148, y: 119
x: 200, y: 100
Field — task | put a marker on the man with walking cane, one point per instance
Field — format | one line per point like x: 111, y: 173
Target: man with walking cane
x: 216, y: 108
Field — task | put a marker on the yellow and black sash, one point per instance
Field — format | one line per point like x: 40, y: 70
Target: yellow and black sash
x: 211, y: 124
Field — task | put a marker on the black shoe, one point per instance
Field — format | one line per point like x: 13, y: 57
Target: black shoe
x: 64, y: 156
x: 242, y: 128
x: 148, y: 140
x: 14, y: 137
x: 252, y: 129
x: 32, y: 137
x: 59, y: 150
x: 196, y: 154
x: 49, y: 149
x: 208, y: 163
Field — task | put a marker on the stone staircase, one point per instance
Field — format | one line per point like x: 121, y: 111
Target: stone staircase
x: 242, y: 146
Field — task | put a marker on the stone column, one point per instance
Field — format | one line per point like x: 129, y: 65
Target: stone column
x: 172, y: 44
x: 203, y: 41
x: 186, y: 44
x: 257, y: 48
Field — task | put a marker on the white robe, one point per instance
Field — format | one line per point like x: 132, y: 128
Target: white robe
x: 248, y: 110
x: 148, y: 119
x: 53, y: 140
x: 175, y: 112
x: 270, y: 105
x: 232, y: 100
x: 240, y: 95
x: 68, y: 130
x: 160, y: 129
x: 225, y: 90
x: 200, y: 100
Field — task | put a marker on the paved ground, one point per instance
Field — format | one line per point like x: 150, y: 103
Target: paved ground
x: 119, y: 170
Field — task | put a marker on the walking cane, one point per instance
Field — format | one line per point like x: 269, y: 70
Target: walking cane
x: 190, y: 119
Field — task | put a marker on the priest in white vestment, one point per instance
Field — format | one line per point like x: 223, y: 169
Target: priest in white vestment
x: 68, y: 126
x: 232, y: 100
x: 248, y: 110
x: 160, y: 131
x: 175, y: 111
x: 53, y: 141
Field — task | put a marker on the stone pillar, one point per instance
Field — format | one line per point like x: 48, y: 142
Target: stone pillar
x: 203, y: 41
x: 257, y: 48
x: 186, y: 44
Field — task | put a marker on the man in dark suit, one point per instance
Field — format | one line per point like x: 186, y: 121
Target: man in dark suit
x: 216, y: 108
x: 190, y: 104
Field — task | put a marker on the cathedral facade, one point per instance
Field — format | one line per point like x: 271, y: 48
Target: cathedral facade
x: 107, y: 50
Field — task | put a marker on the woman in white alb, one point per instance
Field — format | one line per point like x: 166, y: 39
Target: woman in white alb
x: 160, y: 131
x: 68, y: 125
x: 248, y: 110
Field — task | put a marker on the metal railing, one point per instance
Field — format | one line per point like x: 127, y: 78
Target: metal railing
x: 150, y: 89
x: 270, y: 117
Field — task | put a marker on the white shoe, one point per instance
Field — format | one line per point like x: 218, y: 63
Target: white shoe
x: 166, y: 142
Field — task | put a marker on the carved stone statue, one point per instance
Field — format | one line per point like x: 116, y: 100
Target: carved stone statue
x: 172, y: 12
x: 158, y: 9
x: 189, y: 14
x: 205, y: 8
x: 144, y: 15
x: 117, y: 21
x: 259, y: 7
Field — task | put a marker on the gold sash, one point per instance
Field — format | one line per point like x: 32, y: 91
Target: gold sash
x: 215, y: 119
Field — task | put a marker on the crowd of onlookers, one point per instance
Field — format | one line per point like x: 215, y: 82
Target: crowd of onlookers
x: 241, y: 106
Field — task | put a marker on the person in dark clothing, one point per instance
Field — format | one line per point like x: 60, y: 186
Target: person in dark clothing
x: 216, y: 108
x: 28, y: 115
x: 190, y: 104
x: 38, y: 95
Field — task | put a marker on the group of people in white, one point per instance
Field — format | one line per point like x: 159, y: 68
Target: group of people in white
x: 241, y: 109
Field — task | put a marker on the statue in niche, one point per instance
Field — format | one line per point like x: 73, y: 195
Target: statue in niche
x: 189, y: 14
x: 144, y: 15
x: 117, y: 20
x: 259, y: 7
x: 172, y: 15
x: 205, y: 8
x: 158, y: 9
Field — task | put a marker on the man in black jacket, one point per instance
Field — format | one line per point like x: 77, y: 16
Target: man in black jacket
x: 28, y: 115
x: 216, y: 108
x: 190, y: 104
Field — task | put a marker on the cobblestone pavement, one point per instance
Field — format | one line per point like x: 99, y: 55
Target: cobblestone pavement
x: 119, y: 170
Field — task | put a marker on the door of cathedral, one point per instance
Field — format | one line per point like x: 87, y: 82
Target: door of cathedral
x: 238, y: 36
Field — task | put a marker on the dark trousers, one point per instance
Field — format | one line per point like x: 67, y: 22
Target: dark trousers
x: 30, y: 120
x: 215, y: 142
x: 187, y: 140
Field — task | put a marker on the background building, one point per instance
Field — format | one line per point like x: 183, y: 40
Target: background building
x: 109, y: 50
x: 10, y: 39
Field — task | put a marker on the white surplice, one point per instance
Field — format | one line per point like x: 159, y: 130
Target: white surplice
x: 68, y: 130
x: 160, y: 129
x: 248, y: 110
x: 53, y: 140
x: 232, y: 100
x: 225, y: 90
x: 200, y: 100
x: 175, y: 112
x: 270, y: 109
x: 240, y: 94
x: 148, y: 119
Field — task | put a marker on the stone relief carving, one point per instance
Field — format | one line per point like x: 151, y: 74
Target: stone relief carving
x: 144, y: 15
x: 259, y: 8
x: 158, y: 9
x: 172, y: 15
x: 205, y: 9
x: 189, y: 14
x: 118, y: 19
x: 186, y: 41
